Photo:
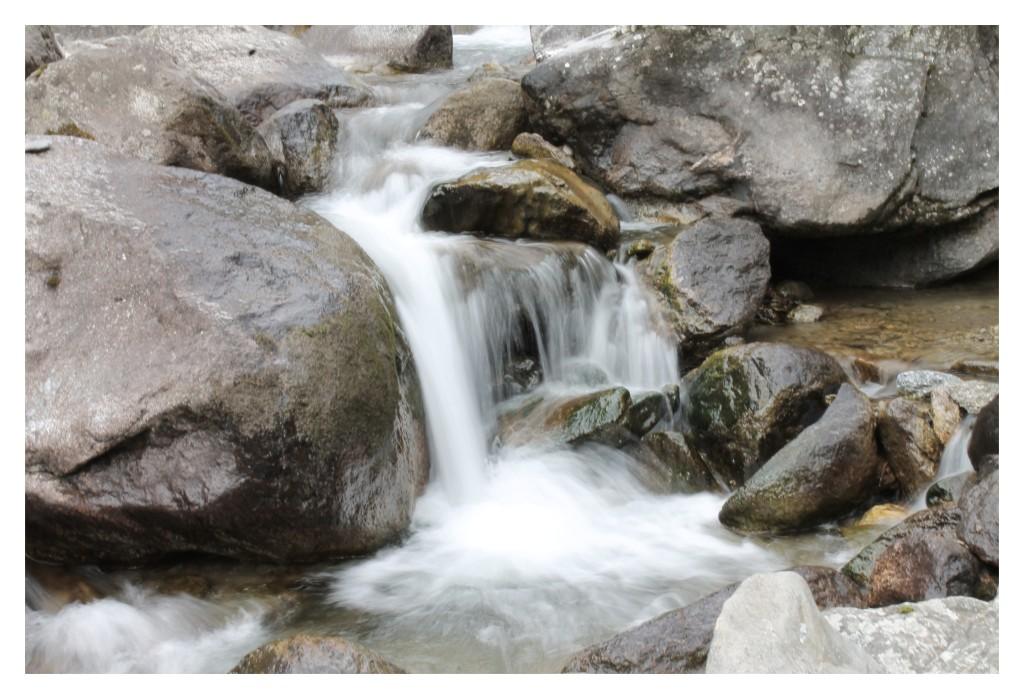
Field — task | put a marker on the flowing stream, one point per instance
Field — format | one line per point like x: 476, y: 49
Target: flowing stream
x: 517, y: 557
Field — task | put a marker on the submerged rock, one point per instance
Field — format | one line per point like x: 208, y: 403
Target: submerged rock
x: 140, y: 102
x: 689, y: 473
x: 536, y: 199
x: 406, y: 47
x: 979, y: 527
x: 486, y: 114
x: 709, y: 280
x: 531, y: 145
x: 41, y: 48
x: 833, y: 130
x: 985, y: 437
x: 947, y: 490
x: 304, y: 654
x: 771, y: 624
x: 827, y: 471
x: 744, y: 403
x: 303, y: 136
x: 909, y: 442
x: 209, y: 369
x: 920, y: 558
x: 954, y: 634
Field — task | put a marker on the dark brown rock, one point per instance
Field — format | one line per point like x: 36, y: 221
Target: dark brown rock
x: 985, y: 436
x: 304, y: 654
x: 689, y: 473
x: 909, y: 443
x: 531, y: 145
x: 486, y: 114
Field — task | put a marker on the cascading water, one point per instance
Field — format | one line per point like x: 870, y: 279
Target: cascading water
x: 516, y: 556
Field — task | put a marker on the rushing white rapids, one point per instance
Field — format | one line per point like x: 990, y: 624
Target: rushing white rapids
x: 517, y: 557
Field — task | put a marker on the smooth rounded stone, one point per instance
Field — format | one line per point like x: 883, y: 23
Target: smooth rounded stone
x: 782, y: 112
x: 827, y: 471
x: 919, y: 383
x: 484, y: 115
x: 708, y: 282
x: 901, y: 259
x: 972, y: 396
x: 303, y: 136
x: 305, y: 654
x: 535, y: 199
x: 947, y: 490
x: 909, y: 443
x: 259, y: 70
x: 174, y: 377
x: 532, y: 145
x: 950, y: 635
x: 744, y: 403
x: 887, y: 514
x: 564, y: 420
x: 979, y: 527
x: 412, y: 48
x: 677, y: 641
x: 920, y: 558
x: 771, y: 624
x: 806, y: 313
x: 140, y: 101
x: 689, y: 473
x: 41, y: 48
x: 985, y: 436
x: 550, y: 39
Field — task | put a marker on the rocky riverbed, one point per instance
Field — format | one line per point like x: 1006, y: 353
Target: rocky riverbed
x: 528, y: 349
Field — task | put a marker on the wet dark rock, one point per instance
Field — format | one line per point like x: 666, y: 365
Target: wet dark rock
x: 989, y: 464
x: 549, y: 39
x: 985, y: 436
x: 536, y: 199
x: 947, y: 490
x: 303, y: 136
x: 985, y: 368
x: 142, y: 103
x: 744, y: 403
x: 599, y: 416
x: 486, y: 114
x: 678, y: 641
x: 709, y: 280
x: 979, y: 527
x: 412, y: 48
x: 920, y: 558
x: 648, y: 410
x: 175, y: 377
x: 689, y: 473
x: 521, y: 375
x: 827, y: 471
x: 909, y: 443
x: 304, y: 654
x: 41, y: 48
x: 832, y: 130
x: 531, y: 145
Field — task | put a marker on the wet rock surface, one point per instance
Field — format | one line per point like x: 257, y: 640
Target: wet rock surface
x: 955, y: 634
x: 920, y: 558
x: 709, y: 280
x: 599, y: 415
x: 979, y: 525
x: 985, y: 437
x: 909, y: 442
x: 219, y: 379
x: 313, y: 655
x: 827, y: 471
x: 535, y: 199
x: 486, y: 114
x: 413, y: 48
x: 304, y: 137
x: 744, y: 403
x: 41, y: 48
x: 531, y: 145
x: 689, y: 472
x: 947, y: 490
x: 550, y: 39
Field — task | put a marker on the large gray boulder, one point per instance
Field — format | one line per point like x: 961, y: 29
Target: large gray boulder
x: 413, y: 48
x: 140, y: 102
x: 305, y: 654
x: 303, y: 136
x: 979, y: 526
x: 257, y: 69
x: 827, y: 471
x: 920, y: 558
x: 487, y: 114
x: 709, y: 281
x: 208, y: 368
x: 826, y: 131
x: 954, y: 634
x: 535, y: 199
x: 911, y: 446
x: 41, y: 48
x: 744, y: 403
x: 772, y: 625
